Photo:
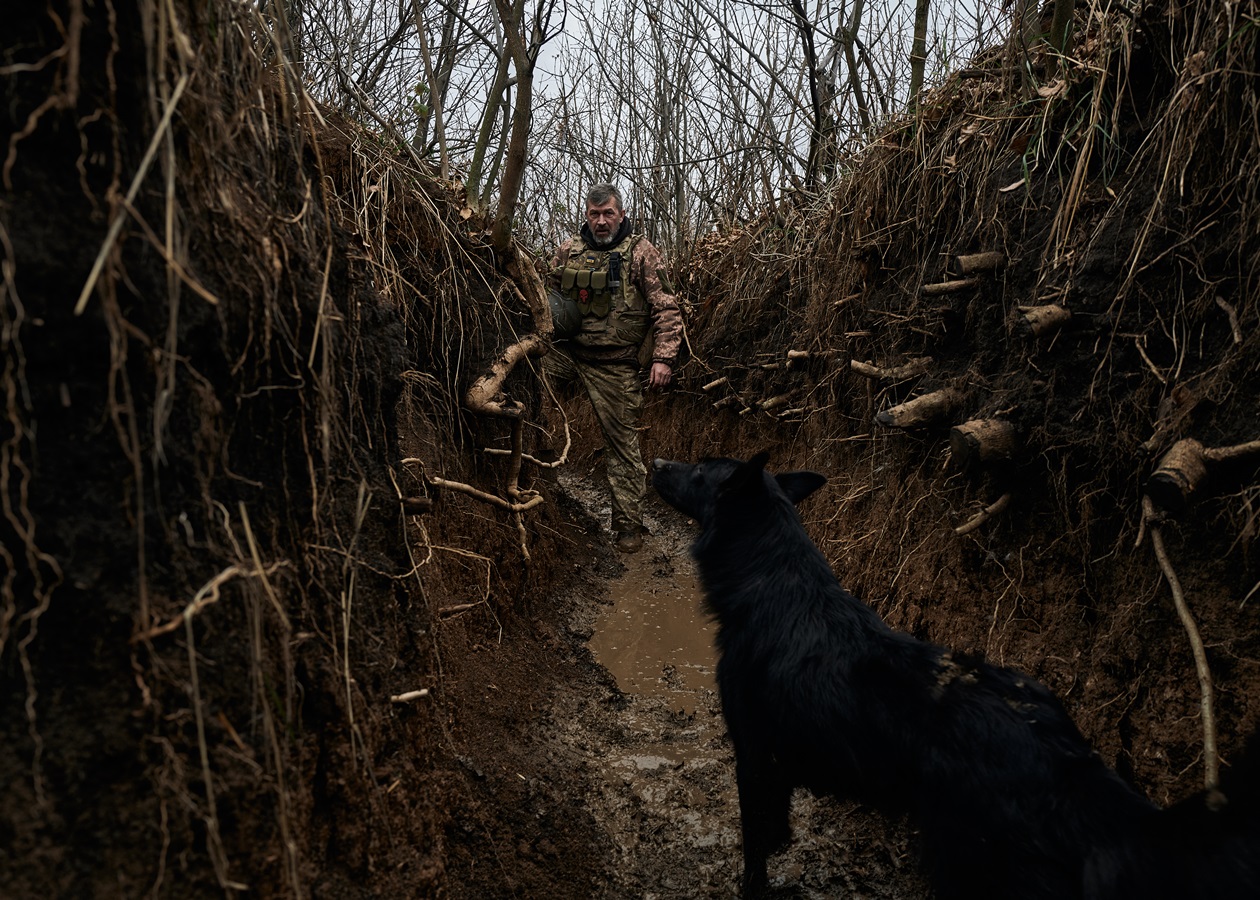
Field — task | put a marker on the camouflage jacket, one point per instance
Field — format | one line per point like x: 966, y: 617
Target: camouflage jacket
x: 646, y: 272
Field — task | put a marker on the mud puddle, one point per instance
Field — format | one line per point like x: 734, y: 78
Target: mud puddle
x: 655, y: 638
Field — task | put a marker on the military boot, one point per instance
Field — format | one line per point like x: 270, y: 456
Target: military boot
x: 630, y: 541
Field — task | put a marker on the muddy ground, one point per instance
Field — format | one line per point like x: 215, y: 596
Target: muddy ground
x: 620, y: 769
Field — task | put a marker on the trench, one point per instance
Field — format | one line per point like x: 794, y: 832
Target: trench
x: 667, y: 796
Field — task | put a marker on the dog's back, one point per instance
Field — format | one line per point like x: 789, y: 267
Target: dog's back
x: 1206, y: 847
x: 817, y: 691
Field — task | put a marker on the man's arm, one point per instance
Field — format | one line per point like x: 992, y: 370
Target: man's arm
x: 558, y: 259
x: 666, y: 315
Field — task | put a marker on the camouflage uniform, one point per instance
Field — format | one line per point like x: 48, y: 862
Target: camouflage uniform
x: 622, y: 318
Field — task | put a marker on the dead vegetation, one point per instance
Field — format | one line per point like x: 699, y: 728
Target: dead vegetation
x: 1067, y: 258
x: 202, y: 473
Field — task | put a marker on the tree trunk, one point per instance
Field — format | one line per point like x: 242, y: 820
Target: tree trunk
x: 500, y: 147
x: 1061, y: 26
x: 523, y: 55
x: 435, y: 96
x: 493, y: 102
x: 849, y: 38
x: 817, y: 128
x: 514, y: 165
x: 918, y: 51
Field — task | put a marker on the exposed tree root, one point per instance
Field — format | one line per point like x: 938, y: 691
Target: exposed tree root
x: 1211, y: 764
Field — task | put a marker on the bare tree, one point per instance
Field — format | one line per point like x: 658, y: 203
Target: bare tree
x: 525, y: 39
x: 704, y: 111
x: 918, y: 50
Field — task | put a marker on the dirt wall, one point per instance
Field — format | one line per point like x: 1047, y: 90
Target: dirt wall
x: 216, y: 300
x: 1115, y: 193
x: 212, y: 587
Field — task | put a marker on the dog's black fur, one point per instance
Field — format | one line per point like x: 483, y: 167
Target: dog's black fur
x: 817, y: 691
x: 1207, y: 847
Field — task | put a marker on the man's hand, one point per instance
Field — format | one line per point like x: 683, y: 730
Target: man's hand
x: 659, y: 376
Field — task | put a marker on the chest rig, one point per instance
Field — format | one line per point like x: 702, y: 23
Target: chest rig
x: 614, y: 313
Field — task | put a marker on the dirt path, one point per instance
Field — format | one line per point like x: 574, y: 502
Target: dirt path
x: 653, y: 751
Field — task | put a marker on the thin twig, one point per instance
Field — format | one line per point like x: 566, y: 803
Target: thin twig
x: 115, y: 226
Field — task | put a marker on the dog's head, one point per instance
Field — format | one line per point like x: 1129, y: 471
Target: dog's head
x: 717, y: 486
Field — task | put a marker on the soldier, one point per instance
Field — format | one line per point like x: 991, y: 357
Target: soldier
x: 614, y: 313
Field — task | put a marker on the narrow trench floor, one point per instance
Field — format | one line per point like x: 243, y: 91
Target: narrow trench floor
x: 660, y: 767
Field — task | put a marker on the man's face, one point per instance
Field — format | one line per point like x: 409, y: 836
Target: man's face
x: 604, y: 220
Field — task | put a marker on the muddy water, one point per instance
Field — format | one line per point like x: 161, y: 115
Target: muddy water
x: 655, y: 638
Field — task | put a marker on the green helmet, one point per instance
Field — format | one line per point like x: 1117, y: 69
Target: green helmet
x: 566, y: 318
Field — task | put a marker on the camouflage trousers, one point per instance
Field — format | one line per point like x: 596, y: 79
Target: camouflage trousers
x: 617, y: 397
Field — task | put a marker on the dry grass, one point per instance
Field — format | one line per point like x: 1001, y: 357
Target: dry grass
x: 1118, y: 184
x: 275, y: 287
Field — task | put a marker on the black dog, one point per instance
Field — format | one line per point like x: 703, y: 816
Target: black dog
x: 818, y: 692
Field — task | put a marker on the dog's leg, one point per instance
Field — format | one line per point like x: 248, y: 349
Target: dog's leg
x: 764, y: 801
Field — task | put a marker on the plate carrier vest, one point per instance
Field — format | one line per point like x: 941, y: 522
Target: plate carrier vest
x: 614, y: 313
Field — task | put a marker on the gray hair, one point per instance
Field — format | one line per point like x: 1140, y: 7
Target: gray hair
x: 601, y: 193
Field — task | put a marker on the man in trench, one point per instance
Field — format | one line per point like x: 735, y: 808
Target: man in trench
x: 615, y: 314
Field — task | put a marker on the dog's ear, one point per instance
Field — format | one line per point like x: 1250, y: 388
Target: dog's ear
x: 799, y: 485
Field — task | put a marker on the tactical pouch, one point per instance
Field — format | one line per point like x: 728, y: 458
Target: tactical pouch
x: 599, y: 280
x: 583, y: 278
x: 567, y: 278
x: 631, y: 327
